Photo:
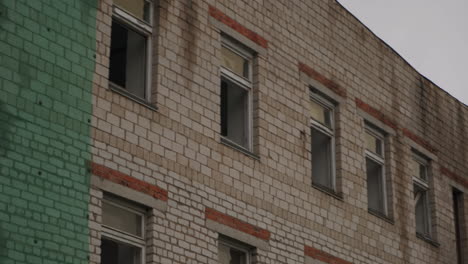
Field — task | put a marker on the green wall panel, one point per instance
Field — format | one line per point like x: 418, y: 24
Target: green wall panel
x: 47, y: 61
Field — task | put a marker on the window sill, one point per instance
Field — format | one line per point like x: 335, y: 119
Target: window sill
x: 237, y: 147
x: 331, y: 192
x: 132, y: 97
x: 381, y: 216
x: 428, y: 240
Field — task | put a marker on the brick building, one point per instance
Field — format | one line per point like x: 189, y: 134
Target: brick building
x: 180, y: 131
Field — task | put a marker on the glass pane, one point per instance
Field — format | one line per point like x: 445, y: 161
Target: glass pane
x: 422, y: 221
x: 422, y: 171
x: 234, y: 106
x: 234, y: 62
x: 136, y: 64
x: 373, y: 143
x: 229, y: 255
x: 121, y: 219
x: 321, y: 159
x: 138, y: 8
x: 113, y: 252
x: 375, y: 191
x: 320, y: 113
x: 419, y: 170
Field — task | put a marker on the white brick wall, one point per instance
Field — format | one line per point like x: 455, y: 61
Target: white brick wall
x: 178, y: 146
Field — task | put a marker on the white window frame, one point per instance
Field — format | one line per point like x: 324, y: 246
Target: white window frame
x: 379, y: 160
x: 146, y: 29
x: 121, y: 236
x: 244, y: 83
x: 328, y: 131
x: 232, y: 244
x: 423, y: 185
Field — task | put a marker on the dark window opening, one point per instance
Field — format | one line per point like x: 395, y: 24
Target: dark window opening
x: 127, y: 64
x: 234, y: 113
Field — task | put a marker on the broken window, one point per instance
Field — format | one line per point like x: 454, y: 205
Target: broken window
x: 322, y: 138
x: 129, y: 62
x: 236, y: 94
x: 123, y: 232
x: 375, y: 171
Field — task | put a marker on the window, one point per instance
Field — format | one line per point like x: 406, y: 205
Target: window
x: 419, y: 170
x: 236, y: 94
x: 123, y: 240
x: 375, y: 171
x: 458, y: 220
x: 129, y: 63
x: 323, y: 142
x: 233, y: 252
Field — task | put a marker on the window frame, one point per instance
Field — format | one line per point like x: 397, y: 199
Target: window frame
x: 423, y: 185
x: 243, y: 83
x: 120, y: 236
x: 236, y: 245
x: 380, y: 160
x: 327, y: 131
x: 129, y: 21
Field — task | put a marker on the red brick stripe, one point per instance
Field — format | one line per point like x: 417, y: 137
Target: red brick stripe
x: 376, y: 113
x: 384, y: 119
x: 236, y: 224
x: 457, y: 178
x: 322, y: 79
x: 223, y: 18
x: 418, y: 140
x: 128, y: 181
x: 323, y: 256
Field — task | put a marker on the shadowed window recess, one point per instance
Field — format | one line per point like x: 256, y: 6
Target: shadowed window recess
x: 323, y: 141
x: 236, y: 94
x: 374, y: 141
x: 233, y: 252
x: 130, y: 50
x: 420, y: 171
x: 123, y: 239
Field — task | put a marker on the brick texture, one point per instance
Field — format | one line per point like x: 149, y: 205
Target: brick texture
x: 46, y: 69
x: 236, y: 224
x: 128, y: 181
x: 322, y: 79
x: 178, y: 147
x: 323, y: 256
x: 217, y: 14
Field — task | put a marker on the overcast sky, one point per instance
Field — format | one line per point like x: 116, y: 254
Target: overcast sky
x: 432, y: 35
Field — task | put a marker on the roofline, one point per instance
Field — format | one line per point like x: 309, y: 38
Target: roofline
x: 399, y: 55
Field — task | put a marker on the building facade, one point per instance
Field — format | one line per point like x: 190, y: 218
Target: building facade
x: 180, y: 131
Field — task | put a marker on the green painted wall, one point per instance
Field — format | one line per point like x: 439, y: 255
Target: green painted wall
x: 47, y: 52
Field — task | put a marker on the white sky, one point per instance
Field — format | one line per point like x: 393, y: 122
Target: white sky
x: 432, y: 35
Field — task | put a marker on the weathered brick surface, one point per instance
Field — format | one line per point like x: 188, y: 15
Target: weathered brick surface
x: 46, y: 69
x: 323, y: 256
x: 236, y: 224
x: 322, y: 79
x: 178, y: 147
x: 128, y: 181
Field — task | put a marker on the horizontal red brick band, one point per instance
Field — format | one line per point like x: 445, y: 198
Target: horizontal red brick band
x: 418, y: 140
x: 375, y: 113
x: 384, y: 119
x: 128, y: 181
x: 223, y: 18
x: 236, y: 224
x: 322, y: 79
x: 323, y: 256
x: 457, y: 178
